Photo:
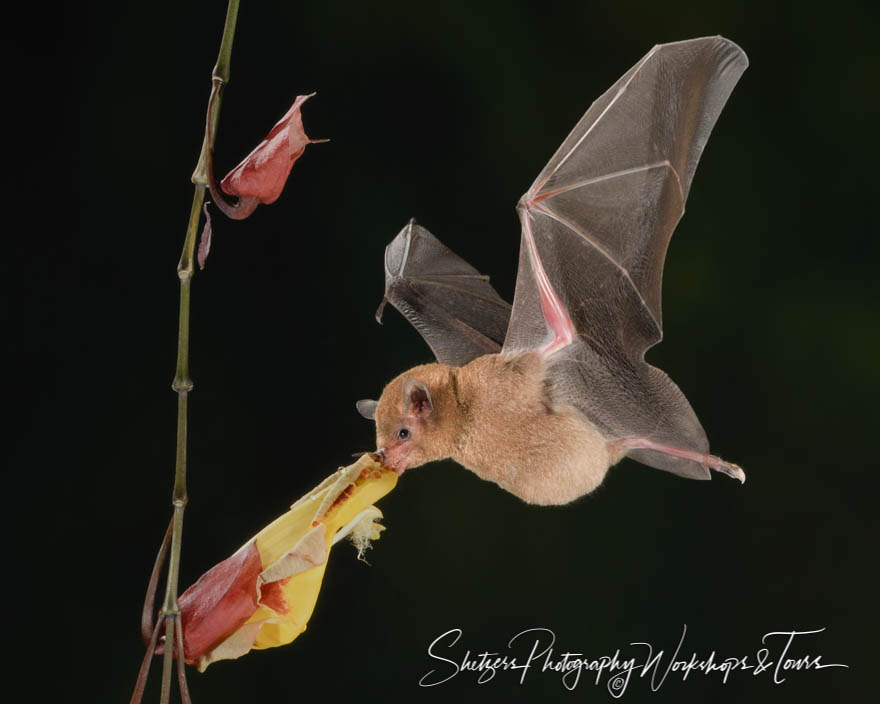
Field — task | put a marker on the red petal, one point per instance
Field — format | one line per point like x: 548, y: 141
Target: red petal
x: 272, y: 596
x: 220, y: 602
x: 263, y: 173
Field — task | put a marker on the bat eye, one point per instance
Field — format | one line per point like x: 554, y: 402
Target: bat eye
x: 403, y: 434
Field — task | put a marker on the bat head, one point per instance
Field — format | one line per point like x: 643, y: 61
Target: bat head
x: 409, y: 427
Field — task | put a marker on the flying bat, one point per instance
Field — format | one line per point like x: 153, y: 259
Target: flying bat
x: 544, y: 396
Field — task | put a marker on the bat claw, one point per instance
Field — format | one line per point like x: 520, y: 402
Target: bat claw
x: 728, y: 468
x: 380, y: 310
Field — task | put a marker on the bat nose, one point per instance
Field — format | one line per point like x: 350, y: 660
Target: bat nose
x: 381, y: 453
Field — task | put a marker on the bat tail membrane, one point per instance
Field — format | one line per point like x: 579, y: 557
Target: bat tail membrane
x: 638, y: 408
x: 667, y: 435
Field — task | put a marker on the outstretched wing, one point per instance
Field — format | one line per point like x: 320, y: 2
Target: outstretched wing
x: 450, y: 303
x: 595, y: 227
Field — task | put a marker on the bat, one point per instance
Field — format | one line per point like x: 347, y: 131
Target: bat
x: 544, y: 396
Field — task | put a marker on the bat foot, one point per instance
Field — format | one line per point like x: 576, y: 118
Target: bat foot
x: 728, y: 468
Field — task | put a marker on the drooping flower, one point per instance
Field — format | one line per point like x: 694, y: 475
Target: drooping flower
x: 261, y: 175
x: 264, y: 594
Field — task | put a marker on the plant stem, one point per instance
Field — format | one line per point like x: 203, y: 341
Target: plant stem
x: 219, y: 78
x: 204, y: 173
x: 148, y: 615
x: 182, y: 383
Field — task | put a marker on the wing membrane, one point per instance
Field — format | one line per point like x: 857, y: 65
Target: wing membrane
x: 596, y: 225
x: 450, y: 303
x: 620, y: 180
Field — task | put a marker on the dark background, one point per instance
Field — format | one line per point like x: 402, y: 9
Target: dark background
x: 446, y: 114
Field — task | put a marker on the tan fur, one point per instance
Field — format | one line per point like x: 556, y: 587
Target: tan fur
x: 493, y: 417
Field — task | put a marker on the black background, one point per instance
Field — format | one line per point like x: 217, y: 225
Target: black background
x: 444, y: 113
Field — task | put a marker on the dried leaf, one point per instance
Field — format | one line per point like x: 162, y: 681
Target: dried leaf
x: 205, y: 239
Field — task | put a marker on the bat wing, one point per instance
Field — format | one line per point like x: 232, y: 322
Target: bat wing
x: 595, y: 227
x: 450, y: 303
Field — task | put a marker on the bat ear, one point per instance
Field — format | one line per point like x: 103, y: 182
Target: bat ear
x: 367, y: 408
x: 416, y: 398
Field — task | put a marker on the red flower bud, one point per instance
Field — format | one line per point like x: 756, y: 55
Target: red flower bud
x: 263, y: 173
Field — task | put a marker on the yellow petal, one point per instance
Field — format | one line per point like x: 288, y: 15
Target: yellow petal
x: 288, y: 597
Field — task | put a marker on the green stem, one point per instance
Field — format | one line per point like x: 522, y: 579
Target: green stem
x: 219, y: 78
x: 182, y: 383
x: 204, y: 173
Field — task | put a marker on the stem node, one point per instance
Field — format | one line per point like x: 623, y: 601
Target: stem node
x: 182, y: 386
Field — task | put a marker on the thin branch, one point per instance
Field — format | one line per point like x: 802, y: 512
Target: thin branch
x: 141, y: 682
x: 148, y: 615
x: 181, y: 665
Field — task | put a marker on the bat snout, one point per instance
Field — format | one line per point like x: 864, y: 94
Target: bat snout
x: 395, y: 458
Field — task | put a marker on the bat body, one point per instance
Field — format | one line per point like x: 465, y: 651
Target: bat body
x: 544, y: 397
x: 494, y: 417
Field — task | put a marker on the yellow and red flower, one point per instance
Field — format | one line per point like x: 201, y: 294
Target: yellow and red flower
x: 263, y: 595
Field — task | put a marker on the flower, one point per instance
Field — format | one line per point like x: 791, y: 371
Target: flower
x: 262, y: 174
x: 263, y: 595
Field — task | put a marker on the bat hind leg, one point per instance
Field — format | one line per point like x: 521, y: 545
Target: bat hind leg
x: 621, y: 447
